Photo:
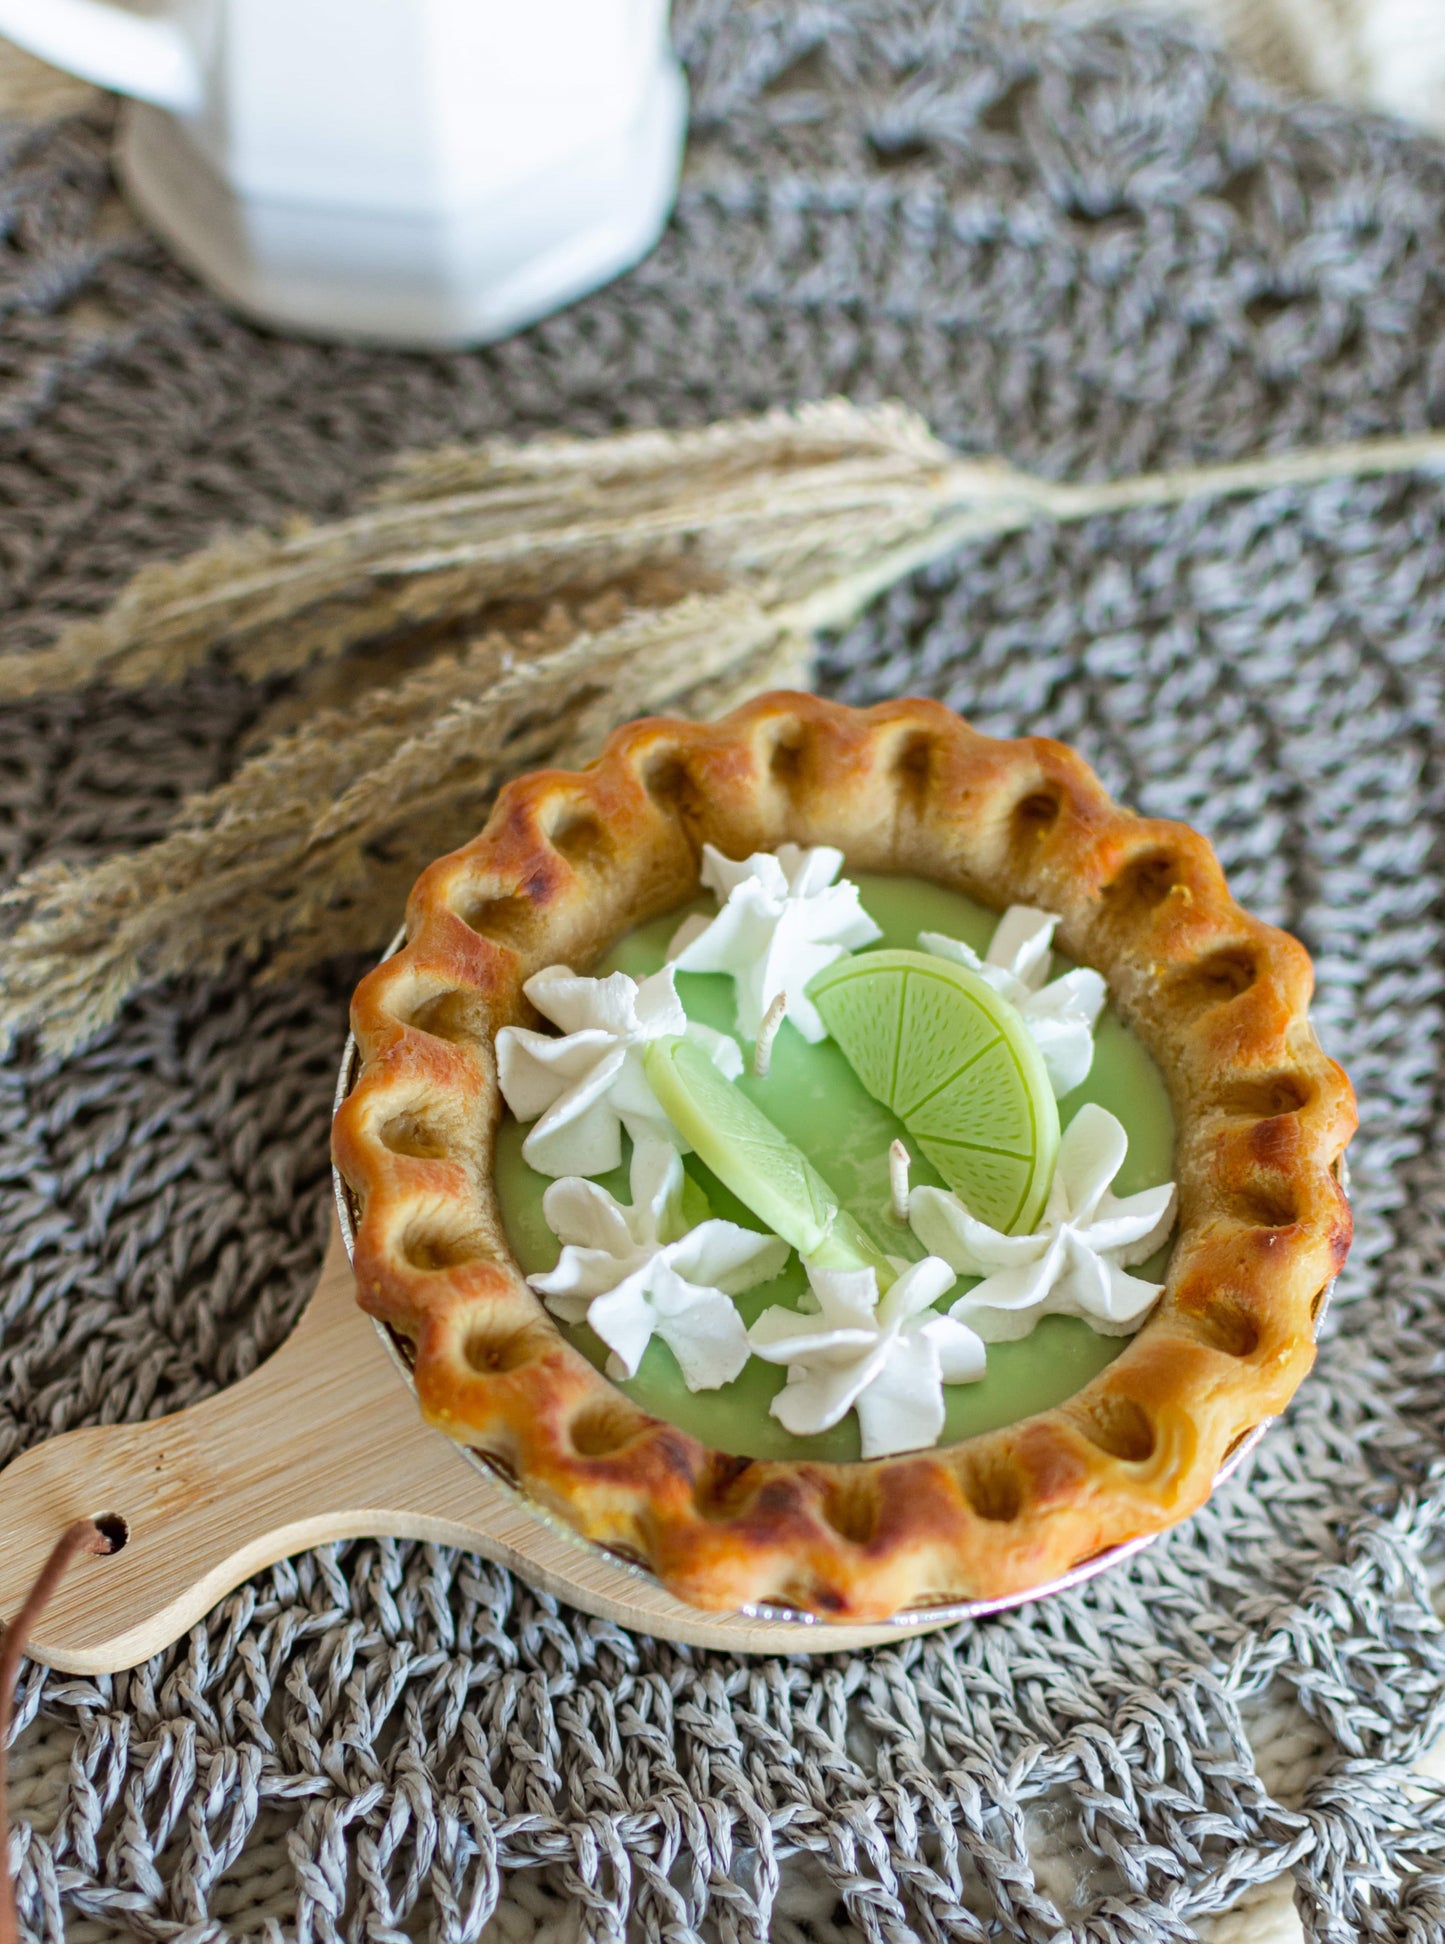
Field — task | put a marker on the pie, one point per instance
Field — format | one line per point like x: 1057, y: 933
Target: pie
x: 568, y: 865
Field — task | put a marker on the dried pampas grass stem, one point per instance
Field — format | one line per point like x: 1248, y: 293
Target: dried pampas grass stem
x: 489, y: 610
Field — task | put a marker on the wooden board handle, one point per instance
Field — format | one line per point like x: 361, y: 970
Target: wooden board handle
x: 323, y: 1442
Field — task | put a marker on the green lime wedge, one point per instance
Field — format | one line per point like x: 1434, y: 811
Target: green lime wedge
x: 756, y: 1160
x: 955, y: 1062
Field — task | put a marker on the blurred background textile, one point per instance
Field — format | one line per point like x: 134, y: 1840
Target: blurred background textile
x: 1383, y: 54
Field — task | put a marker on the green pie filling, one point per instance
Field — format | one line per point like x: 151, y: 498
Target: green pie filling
x: 812, y: 1094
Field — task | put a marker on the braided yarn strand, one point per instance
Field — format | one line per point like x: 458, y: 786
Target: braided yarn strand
x: 1095, y: 249
x: 84, y: 1536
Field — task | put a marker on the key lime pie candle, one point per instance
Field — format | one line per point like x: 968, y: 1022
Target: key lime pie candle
x: 842, y: 1161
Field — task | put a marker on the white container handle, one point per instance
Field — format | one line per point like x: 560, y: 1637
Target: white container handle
x: 145, y: 55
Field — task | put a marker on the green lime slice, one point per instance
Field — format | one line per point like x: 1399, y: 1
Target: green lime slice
x: 955, y: 1062
x: 756, y: 1160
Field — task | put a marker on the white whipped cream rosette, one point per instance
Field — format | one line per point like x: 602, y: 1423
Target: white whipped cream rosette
x: 585, y: 1087
x: 1060, y: 1014
x: 638, y: 1272
x: 782, y: 919
x: 1075, y: 1264
x: 888, y: 1359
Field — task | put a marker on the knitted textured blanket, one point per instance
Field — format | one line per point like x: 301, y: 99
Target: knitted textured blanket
x: 1092, y: 248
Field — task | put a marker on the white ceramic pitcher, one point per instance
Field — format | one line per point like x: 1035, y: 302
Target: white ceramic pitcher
x: 423, y: 172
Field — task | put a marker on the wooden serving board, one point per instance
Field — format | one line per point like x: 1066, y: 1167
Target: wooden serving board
x: 280, y: 1463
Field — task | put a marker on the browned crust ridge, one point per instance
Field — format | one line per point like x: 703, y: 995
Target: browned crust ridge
x: 566, y: 862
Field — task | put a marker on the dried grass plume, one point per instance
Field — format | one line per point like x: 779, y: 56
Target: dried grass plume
x: 490, y: 609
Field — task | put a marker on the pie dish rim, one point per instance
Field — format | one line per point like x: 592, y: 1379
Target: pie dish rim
x: 792, y: 1535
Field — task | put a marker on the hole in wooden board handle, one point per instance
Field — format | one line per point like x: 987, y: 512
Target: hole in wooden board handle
x: 321, y: 1442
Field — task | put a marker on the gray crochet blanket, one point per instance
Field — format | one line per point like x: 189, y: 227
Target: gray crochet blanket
x: 1093, y: 248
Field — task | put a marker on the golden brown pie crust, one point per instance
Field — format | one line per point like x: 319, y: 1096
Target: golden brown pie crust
x: 565, y: 864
